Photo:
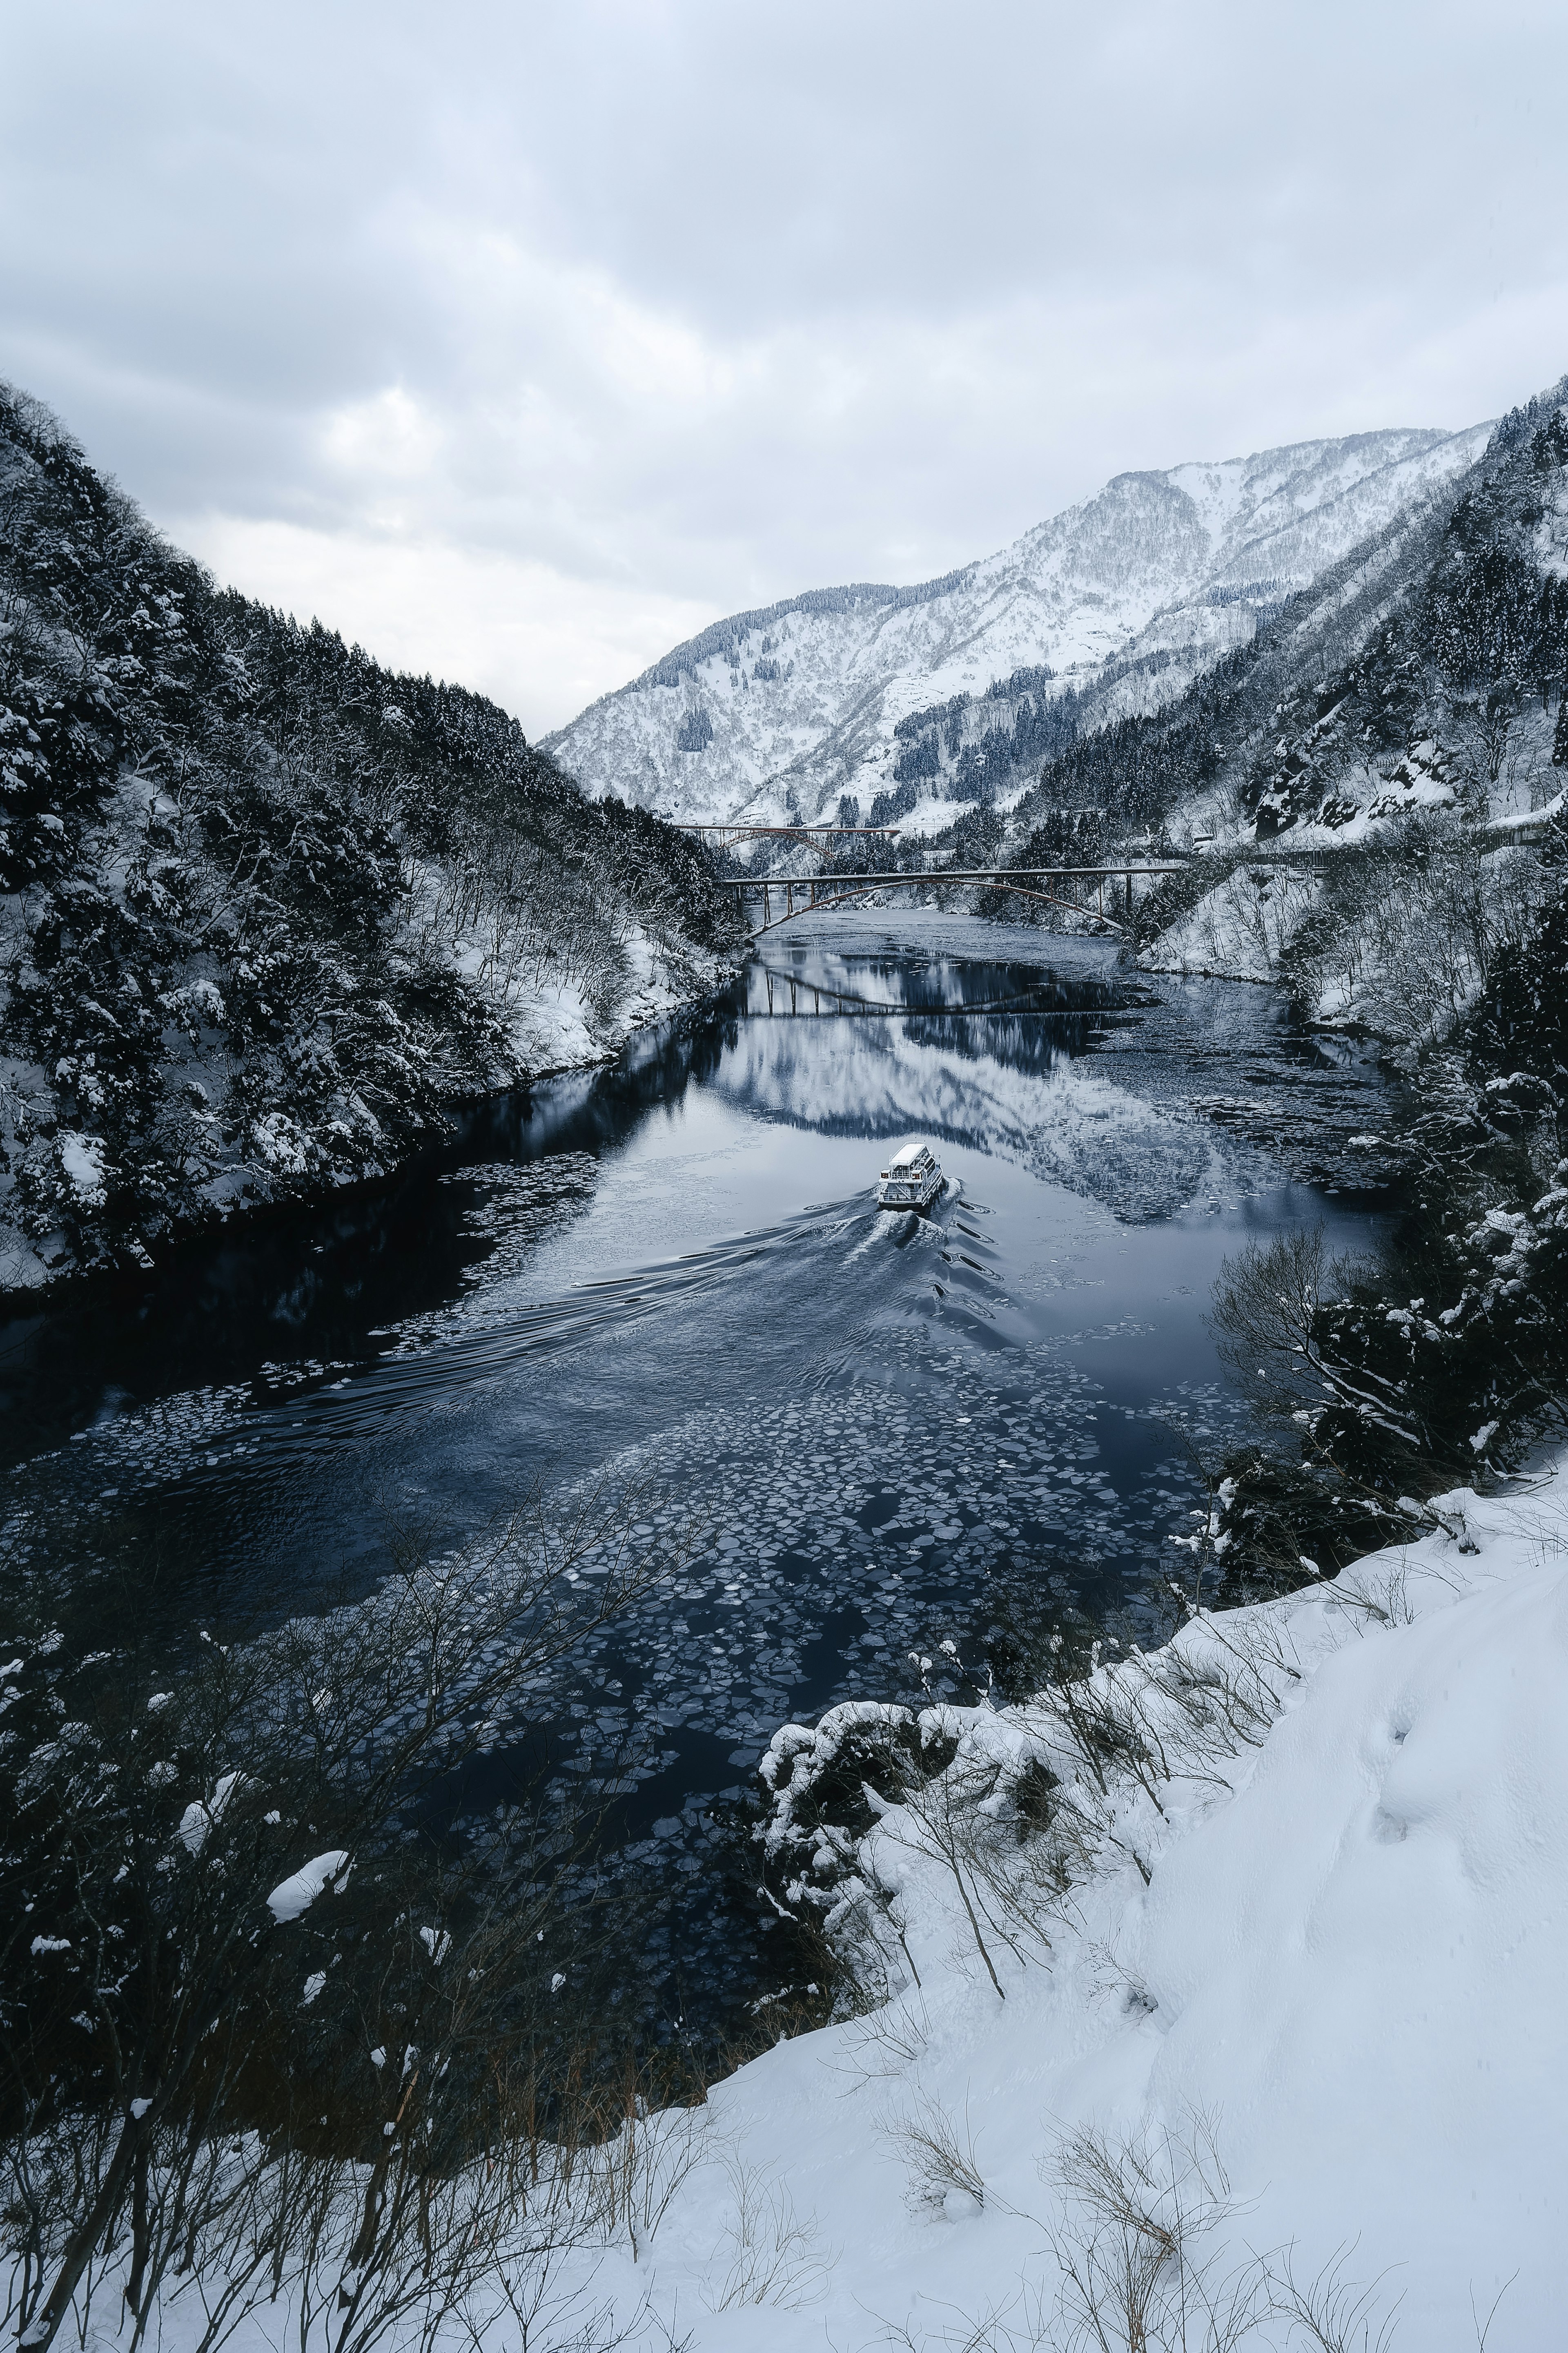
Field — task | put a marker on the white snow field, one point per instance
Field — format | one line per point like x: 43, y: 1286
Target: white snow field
x: 1342, y: 1983
x: 804, y: 696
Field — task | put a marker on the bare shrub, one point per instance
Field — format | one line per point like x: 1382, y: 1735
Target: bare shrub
x: 944, y: 1818
x: 769, y: 2256
x: 1145, y: 2264
x: 244, y: 1995
x: 1331, y: 2312
x: 1022, y: 2323
x: 883, y: 2042
x: 1268, y: 1322
x: 633, y: 2177
x: 938, y: 2155
x: 1139, y: 2249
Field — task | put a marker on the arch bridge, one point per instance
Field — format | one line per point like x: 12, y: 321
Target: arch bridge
x: 834, y: 886
x: 805, y: 894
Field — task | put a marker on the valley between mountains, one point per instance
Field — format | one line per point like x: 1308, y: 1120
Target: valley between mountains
x: 606, y: 1746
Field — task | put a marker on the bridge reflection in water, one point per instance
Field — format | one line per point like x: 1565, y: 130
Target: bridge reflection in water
x: 792, y: 995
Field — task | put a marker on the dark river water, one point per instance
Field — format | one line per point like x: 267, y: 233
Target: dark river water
x: 867, y: 1433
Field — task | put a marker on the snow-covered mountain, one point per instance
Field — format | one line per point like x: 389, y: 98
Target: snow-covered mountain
x: 1137, y: 589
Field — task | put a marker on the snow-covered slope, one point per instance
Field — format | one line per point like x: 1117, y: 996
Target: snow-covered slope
x: 1323, y: 1979
x: 800, y: 702
x: 320, y: 950
x: 1416, y: 701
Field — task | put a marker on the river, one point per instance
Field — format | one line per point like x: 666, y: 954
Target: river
x: 867, y: 1434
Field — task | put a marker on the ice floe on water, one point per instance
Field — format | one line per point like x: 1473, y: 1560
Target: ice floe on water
x: 829, y: 1545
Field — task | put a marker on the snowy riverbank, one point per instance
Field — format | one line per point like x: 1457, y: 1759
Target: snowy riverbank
x: 1397, y: 931
x: 549, y: 1029
x: 1260, y: 2018
x: 1342, y: 1983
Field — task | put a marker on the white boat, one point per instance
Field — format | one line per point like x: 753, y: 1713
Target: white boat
x: 912, y: 1179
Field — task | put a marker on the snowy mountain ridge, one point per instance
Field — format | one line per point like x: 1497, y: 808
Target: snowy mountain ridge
x: 1141, y: 587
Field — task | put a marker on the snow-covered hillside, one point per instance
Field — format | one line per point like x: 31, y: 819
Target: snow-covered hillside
x: 1296, y: 2017
x: 797, y: 704
x: 232, y: 974
x: 1405, y: 726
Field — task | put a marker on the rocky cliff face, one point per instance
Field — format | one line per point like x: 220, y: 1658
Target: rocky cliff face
x: 953, y: 691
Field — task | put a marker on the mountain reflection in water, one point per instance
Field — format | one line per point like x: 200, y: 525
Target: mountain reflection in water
x: 978, y: 1054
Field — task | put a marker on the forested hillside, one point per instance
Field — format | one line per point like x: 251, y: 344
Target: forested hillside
x: 1421, y: 672
x: 265, y: 906
x: 1402, y: 724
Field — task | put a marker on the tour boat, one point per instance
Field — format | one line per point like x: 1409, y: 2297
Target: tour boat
x: 912, y: 1179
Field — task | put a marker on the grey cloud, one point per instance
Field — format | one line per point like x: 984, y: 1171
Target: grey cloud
x: 712, y: 305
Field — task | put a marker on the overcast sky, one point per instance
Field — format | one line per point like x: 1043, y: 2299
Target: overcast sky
x: 521, y: 342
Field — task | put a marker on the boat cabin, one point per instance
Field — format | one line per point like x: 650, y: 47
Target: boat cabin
x: 912, y: 1179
